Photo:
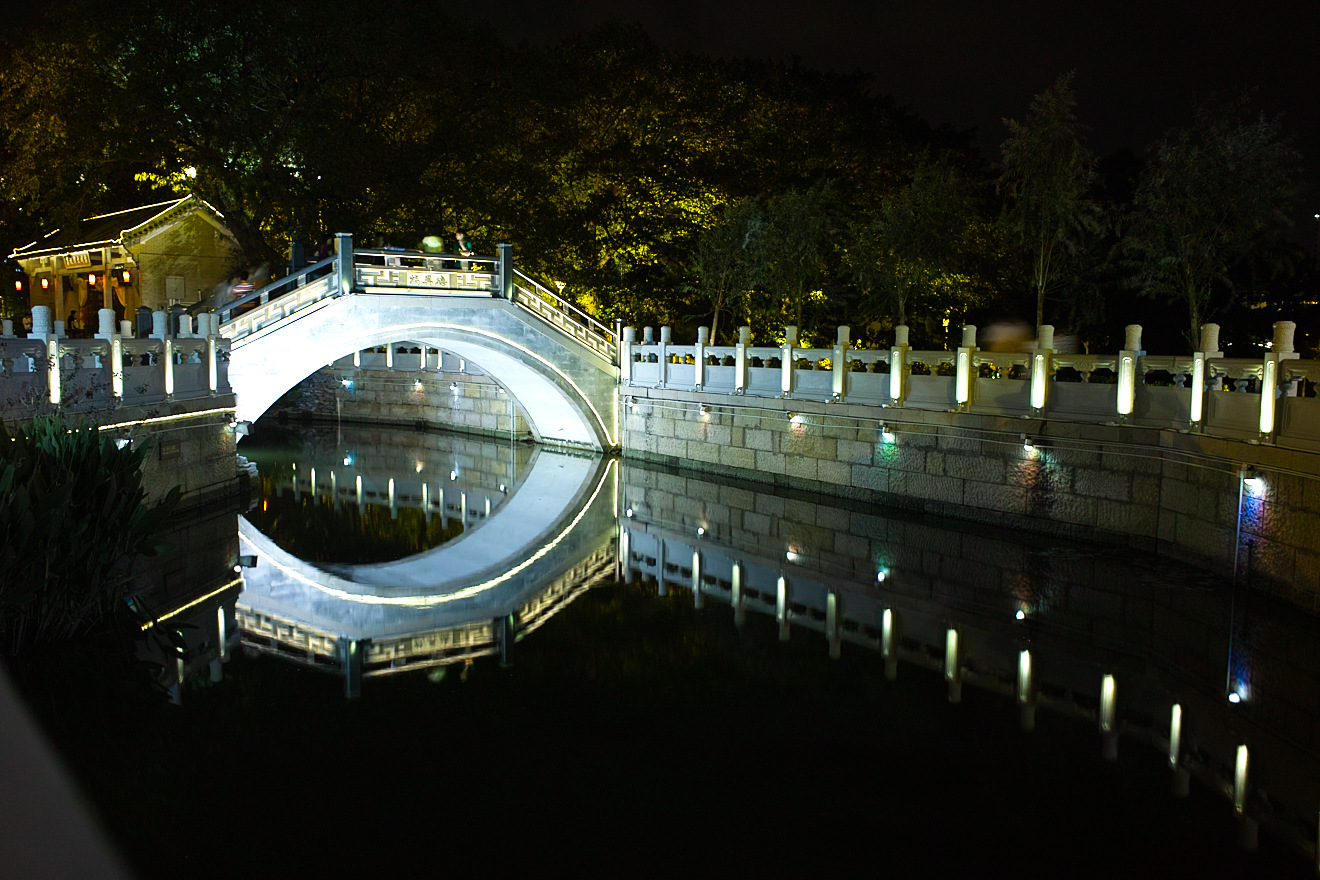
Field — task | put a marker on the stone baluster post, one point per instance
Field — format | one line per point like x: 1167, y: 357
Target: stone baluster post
x: 344, y: 261
x: 898, y: 366
x: 1200, y: 380
x: 740, y: 360
x: 1281, y: 350
x: 1040, y: 367
x: 786, y: 361
x: 625, y: 354
x: 212, y: 333
x: 964, y: 379
x: 666, y: 340
x: 505, y: 276
x: 159, y: 325
x: 8, y: 328
x: 43, y: 329
x: 699, y: 358
x: 1127, y: 370
x: 840, y: 385
x: 105, y: 323
x: 126, y: 329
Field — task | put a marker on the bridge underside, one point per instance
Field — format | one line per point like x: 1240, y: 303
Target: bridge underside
x: 566, y: 391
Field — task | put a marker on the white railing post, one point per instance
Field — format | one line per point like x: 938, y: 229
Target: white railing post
x: 1281, y: 350
x: 666, y: 339
x: 699, y: 358
x: 963, y: 380
x: 1209, y: 349
x: 1127, y: 370
x: 1040, y: 367
x: 117, y: 367
x: 786, y: 361
x: 625, y: 355
x: 169, y: 369
x: 740, y: 360
x: 344, y: 261
x: 898, y: 366
x: 42, y: 329
x: 840, y: 363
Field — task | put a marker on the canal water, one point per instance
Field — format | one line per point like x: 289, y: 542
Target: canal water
x: 463, y: 653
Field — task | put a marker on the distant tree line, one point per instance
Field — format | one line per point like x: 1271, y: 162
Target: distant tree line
x: 653, y: 186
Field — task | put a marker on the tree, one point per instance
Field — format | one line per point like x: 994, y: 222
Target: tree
x: 720, y: 262
x: 788, y: 252
x: 1047, y: 173
x: 913, y: 249
x: 1213, y: 194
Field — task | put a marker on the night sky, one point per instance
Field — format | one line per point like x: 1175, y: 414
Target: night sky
x: 1141, y: 66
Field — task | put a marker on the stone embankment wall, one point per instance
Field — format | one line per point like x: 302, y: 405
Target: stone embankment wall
x: 1179, y: 494
x: 452, y: 400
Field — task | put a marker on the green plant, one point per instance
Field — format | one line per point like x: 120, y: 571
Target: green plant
x: 74, y: 516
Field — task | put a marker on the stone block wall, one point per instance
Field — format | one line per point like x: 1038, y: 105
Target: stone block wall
x: 399, y: 397
x: 1178, y: 494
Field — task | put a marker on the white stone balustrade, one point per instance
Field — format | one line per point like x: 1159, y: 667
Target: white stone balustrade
x: 1268, y: 400
x: 107, y: 371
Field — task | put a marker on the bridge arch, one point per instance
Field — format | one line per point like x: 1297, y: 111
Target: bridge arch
x: 567, y: 390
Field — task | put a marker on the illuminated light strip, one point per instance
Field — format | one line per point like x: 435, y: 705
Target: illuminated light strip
x: 159, y: 419
x: 466, y: 592
x: 182, y: 608
x: 582, y: 394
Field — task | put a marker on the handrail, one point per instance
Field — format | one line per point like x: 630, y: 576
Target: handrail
x: 277, y: 288
x: 571, y: 311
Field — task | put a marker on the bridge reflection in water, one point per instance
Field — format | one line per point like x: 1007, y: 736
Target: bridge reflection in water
x: 1136, y: 646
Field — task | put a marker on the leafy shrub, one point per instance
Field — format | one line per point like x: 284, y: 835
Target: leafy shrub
x: 74, y: 516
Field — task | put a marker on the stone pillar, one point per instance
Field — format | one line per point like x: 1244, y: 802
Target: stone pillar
x: 840, y: 359
x: 126, y: 329
x: 1040, y: 367
x: 1200, y: 382
x: 7, y: 328
x: 786, y: 361
x: 1281, y: 350
x: 898, y: 381
x: 666, y: 340
x: 105, y: 323
x: 159, y: 325
x: 344, y: 261
x: 626, y: 355
x: 1127, y: 370
x: 964, y: 375
x: 41, y: 323
x: 505, y: 275
x: 699, y: 358
x: 740, y: 360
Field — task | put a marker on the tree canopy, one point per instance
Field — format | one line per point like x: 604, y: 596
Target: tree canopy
x: 648, y: 185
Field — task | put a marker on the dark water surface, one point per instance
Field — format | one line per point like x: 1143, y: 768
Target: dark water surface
x: 641, y: 726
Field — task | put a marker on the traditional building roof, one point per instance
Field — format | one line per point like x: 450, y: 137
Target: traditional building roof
x: 117, y: 228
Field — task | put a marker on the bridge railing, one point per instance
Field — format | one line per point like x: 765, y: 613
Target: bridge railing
x: 280, y: 298
x: 1272, y: 399
x: 92, y: 375
x: 564, y: 316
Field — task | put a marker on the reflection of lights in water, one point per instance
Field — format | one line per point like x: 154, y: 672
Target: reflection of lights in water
x: 348, y: 459
x: 453, y: 475
x: 1108, y: 694
x: 418, y: 468
x: 1235, y: 697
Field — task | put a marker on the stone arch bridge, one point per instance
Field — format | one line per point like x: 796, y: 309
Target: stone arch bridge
x: 558, y: 364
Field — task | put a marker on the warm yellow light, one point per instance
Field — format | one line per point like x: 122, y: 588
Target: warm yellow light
x: 91, y: 278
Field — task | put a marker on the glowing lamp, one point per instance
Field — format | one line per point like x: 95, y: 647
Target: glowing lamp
x: 126, y: 276
x: 18, y: 285
x: 91, y: 278
x: 45, y: 284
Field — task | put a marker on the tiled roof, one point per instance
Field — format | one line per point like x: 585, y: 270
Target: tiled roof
x: 97, y: 231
